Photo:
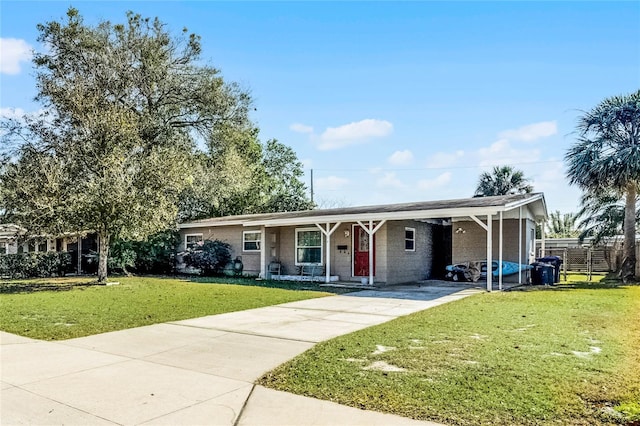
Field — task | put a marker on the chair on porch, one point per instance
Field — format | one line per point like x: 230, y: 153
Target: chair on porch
x: 275, y: 268
x: 312, y: 270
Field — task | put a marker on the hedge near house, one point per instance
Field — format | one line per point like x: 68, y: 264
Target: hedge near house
x: 34, y: 265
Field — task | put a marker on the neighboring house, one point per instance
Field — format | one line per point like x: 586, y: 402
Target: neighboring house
x: 9, y: 234
x: 386, y: 244
x: 81, y: 246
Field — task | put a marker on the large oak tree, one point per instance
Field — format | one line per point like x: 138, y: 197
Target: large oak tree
x: 124, y: 106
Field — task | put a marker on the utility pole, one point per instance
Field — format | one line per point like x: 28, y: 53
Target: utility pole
x: 311, y: 186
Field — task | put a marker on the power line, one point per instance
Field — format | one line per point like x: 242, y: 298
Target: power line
x: 434, y: 168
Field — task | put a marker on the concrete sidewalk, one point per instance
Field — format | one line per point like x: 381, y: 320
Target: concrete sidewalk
x: 198, y: 371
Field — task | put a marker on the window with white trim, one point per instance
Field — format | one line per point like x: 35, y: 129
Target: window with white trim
x: 191, y: 240
x: 308, y: 246
x: 251, y: 240
x: 409, y: 239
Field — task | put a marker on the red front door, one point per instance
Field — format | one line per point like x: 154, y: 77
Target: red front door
x: 361, y: 252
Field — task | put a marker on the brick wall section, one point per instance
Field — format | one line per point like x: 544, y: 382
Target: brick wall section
x: 288, y: 250
x: 233, y: 236
x: 472, y: 245
x: 408, y: 266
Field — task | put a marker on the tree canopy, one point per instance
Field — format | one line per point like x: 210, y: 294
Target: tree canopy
x: 126, y: 107
x: 602, y: 216
x: 562, y: 225
x: 502, y: 180
x: 606, y: 160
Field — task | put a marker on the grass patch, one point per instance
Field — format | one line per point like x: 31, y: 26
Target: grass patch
x: 545, y: 357
x: 136, y: 301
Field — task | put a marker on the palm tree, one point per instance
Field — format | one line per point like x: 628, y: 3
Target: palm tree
x: 503, y: 180
x: 562, y: 225
x: 606, y: 158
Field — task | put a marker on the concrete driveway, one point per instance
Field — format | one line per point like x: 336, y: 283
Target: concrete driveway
x: 198, y: 371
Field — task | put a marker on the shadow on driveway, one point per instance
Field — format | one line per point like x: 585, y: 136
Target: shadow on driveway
x: 414, y: 291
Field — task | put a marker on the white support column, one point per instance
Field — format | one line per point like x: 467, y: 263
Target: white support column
x: 520, y: 245
x: 327, y: 233
x: 327, y: 269
x: 500, y: 255
x: 489, y: 253
x: 371, y: 230
x: 371, y: 248
x: 542, y: 242
x: 263, y: 253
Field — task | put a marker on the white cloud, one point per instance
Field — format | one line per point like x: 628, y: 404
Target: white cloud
x: 439, y: 181
x: 331, y: 183
x: 13, y: 51
x: 531, y: 132
x: 301, y: 128
x: 353, y: 133
x: 444, y: 159
x: 547, y: 177
x: 389, y: 180
x: 400, y: 158
x: 501, y: 152
x: 15, y: 113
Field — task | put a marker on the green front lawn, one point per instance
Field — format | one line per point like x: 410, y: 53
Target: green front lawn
x: 565, y: 356
x: 88, y: 309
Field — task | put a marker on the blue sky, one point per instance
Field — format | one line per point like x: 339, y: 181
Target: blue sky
x: 392, y: 101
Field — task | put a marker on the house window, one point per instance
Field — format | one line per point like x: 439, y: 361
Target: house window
x: 42, y: 246
x: 409, y: 239
x: 190, y: 240
x: 3, y: 247
x: 251, y: 240
x: 308, y: 246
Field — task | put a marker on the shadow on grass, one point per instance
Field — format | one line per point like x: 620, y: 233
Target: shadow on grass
x: 16, y: 287
x: 254, y: 282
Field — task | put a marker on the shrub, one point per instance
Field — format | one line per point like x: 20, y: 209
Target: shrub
x: 32, y: 265
x: 155, y: 255
x: 210, y: 257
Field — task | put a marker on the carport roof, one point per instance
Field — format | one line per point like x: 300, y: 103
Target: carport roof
x: 442, y: 209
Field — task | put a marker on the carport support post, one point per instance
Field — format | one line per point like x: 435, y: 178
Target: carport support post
x: 487, y: 228
x: 542, y: 239
x: 500, y: 255
x: 489, y: 253
x: 520, y: 245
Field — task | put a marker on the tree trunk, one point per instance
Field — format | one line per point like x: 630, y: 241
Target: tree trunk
x: 628, y: 270
x: 103, y: 255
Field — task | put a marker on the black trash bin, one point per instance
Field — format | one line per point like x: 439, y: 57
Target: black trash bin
x: 542, y: 274
x: 556, y: 261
